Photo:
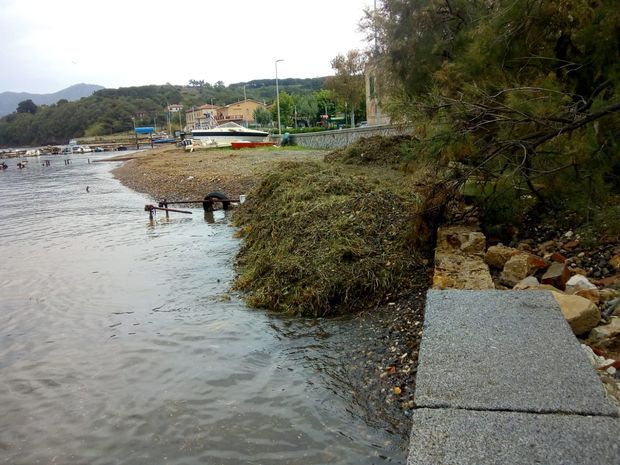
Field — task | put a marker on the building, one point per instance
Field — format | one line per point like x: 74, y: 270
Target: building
x: 175, y: 108
x: 196, y: 115
x: 241, y: 112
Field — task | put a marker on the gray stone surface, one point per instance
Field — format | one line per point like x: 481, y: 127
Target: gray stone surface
x: 465, y: 437
x: 343, y: 137
x: 504, y: 350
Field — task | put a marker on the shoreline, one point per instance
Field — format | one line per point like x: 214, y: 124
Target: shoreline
x: 386, y: 362
x: 173, y: 174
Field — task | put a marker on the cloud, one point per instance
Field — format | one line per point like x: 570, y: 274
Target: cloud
x: 123, y: 43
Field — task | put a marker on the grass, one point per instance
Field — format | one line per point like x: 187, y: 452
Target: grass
x: 327, y: 238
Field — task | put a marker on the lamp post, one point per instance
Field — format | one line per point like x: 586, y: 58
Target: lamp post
x: 278, y: 101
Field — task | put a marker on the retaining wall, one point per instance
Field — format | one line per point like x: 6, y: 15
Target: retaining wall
x: 342, y: 137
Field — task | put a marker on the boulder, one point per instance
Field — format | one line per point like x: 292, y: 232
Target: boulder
x: 578, y: 283
x: 455, y: 271
x: 460, y: 239
x: 614, y: 262
x: 605, y: 331
x: 519, y: 267
x: 581, y: 314
x: 557, y: 275
x: 498, y: 255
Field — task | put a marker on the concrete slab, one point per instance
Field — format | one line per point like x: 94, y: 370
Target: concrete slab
x: 504, y: 350
x: 466, y: 437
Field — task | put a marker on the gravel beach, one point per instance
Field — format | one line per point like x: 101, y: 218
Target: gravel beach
x: 173, y: 174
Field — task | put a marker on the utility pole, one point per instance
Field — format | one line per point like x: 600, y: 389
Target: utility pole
x: 278, y: 102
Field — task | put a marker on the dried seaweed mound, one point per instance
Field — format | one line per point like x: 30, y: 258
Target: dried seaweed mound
x: 321, y: 242
x: 375, y: 150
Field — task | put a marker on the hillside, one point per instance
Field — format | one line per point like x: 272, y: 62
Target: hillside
x: 109, y: 111
x: 9, y: 100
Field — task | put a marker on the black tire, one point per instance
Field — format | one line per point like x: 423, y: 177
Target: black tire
x: 211, y: 197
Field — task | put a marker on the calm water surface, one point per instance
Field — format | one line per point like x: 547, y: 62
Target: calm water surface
x: 120, y: 342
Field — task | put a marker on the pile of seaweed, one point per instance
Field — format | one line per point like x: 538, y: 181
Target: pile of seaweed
x: 375, y: 150
x: 321, y: 241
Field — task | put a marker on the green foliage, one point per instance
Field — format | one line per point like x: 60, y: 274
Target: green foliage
x: 27, y: 106
x: 522, y: 94
x: 111, y: 110
x: 348, y: 83
x: 287, y: 105
x: 262, y: 116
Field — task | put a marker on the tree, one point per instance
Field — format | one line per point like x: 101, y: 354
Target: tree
x: 348, y: 83
x: 262, y: 116
x: 326, y: 102
x: 286, y: 109
x: 525, y: 95
x: 27, y: 106
x: 307, y: 108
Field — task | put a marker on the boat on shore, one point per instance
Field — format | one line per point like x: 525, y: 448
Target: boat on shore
x: 224, y: 134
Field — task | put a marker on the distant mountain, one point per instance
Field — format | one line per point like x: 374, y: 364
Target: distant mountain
x: 9, y: 100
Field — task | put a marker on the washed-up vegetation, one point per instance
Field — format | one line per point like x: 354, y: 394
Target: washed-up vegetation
x: 322, y: 240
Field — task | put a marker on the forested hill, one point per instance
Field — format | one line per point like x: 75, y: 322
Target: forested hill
x: 108, y: 111
x: 9, y: 100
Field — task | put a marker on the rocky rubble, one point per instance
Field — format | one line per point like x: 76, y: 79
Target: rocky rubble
x: 585, y: 282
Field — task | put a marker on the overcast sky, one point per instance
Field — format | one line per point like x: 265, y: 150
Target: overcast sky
x: 47, y: 45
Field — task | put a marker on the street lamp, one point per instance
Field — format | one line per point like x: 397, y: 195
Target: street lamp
x: 278, y: 102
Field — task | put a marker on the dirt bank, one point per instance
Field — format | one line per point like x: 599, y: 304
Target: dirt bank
x: 174, y: 174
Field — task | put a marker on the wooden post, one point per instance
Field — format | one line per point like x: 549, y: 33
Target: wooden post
x: 137, y: 144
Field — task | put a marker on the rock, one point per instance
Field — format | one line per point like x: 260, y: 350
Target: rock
x: 612, y: 308
x: 570, y: 245
x: 498, y: 255
x: 610, y: 281
x: 608, y: 294
x: 614, y: 262
x: 581, y: 314
x: 545, y: 246
x: 454, y: 271
x: 557, y: 275
x: 593, y: 295
x: 462, y: 239
x: 519, y: 267
x: 578, y: 283
x: 526, y: 283
x: 545, y: 287
x: 606, y: 336
x: 557, y: 257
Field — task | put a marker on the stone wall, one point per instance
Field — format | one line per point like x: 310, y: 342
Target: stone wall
x: 342, y: 137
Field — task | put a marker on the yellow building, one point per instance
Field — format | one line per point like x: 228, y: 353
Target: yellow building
x: 240, y: 112
x: 197, y: 115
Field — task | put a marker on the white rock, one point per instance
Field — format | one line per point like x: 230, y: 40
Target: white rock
x: 578, y: 283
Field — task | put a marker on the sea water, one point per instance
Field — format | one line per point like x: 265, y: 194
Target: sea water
x: 121, y: 342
